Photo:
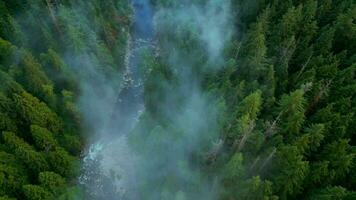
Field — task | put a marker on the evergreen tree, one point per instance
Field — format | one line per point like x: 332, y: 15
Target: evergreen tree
x: 35, y: 112
x: 43, y: 139
x: 34, y: 160
x: 52, y: 182
x: 292, y: 111
x: 285, y: 85
x: 292, y: 171
x: 35, y: 192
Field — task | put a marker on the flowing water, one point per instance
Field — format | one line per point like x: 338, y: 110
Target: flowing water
x: 108, y: 165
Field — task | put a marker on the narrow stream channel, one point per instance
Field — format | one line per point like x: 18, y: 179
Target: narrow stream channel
x: 107, y: 170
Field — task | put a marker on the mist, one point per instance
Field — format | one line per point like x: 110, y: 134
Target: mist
x: 177, y: 99
x: 147, y: 120
x: 160, y: 158
x: 154, y: 158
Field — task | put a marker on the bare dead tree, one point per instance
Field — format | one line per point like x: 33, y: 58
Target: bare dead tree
x: 268, y: 159
x: 303, y: 67
x: 324, y: 89
x: 212, y: 155
x: 252, y: 167
x: 239, y: 144
x: 51, y: 6
x: 272, y: 127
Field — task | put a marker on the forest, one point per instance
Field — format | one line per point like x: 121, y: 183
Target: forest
x: 177, y: 99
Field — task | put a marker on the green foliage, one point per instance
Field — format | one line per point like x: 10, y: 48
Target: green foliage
x: 292, y: 170
x: 72, y: 193
x: 12, y: 174
x: 251, y: 105
x: 39, y: 118
x: 234, y: 168
x: 253, y: 51
x: 8, y: 85
x: 292, y: 109
x: 61, y: 162
x: 43, y: 139
x: 52, y: 182
x: 7, y: 51
x: 6, y: 198
x: 310, y: 141
x: 287, y: 85
x: 30, y: 73
x: 9, y: 27
x: 255, y: 189
x: 58, y: 71
x: 329, y: 193
x: 34, y: 192
x: 7, y: 122
x: 70, y: 110
x: 72, y: 143
x: 335, y: 162
x: 34, y: 160
x: 35, y: 112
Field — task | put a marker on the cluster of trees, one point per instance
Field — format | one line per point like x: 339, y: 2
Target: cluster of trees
x: 293, y: 87
x: 287, y: 113
x: 289, y: 89
x: 290, y: 92
x: 40, y: 141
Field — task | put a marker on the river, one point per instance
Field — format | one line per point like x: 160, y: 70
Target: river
x: 108, y: 165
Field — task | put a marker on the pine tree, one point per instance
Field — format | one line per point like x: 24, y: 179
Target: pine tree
x: 292, y: 171
x: 7, y: 51
x: 61, y: 162
x: 292, y: 108
x: 31, y: 74
x: 35, y: 112
x: 242, y: 128
x: 329, y: 193
x: 253, y: 51
x: 52, y: 182
x: 335, y: 162
x: 255, y: 189
x: 6, y: 198
x: 311, y: 140
x: 12, y: 174
x: 34, y: 160
x: 43, y: 139
x: 35, y: 192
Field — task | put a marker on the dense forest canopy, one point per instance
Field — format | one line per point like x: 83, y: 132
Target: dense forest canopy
x: 240, y: 99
